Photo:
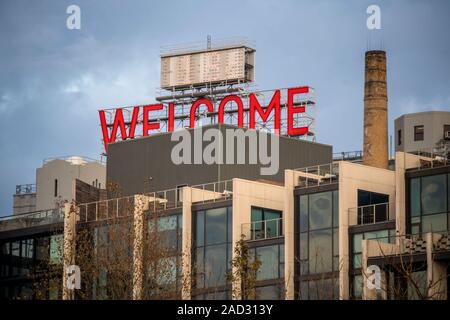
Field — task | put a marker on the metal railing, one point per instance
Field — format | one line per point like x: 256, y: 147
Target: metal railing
x: 25, y: 188
x: 76, y: 159
x: 31, y: 219
x: 157, y: 201
x: 370, y: 214
x: 213, y: 192
x: 347, y: 156
x: 318, y: 175
x: 264, y: 229
x: 436, y: 158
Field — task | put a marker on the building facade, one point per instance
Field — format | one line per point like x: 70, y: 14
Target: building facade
x: 315, y: 235
x: 422, y: 131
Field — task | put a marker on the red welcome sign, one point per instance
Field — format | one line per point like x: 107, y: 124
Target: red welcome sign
x: 120, y: 127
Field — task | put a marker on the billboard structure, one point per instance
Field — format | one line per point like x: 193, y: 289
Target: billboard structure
x: 201, y: 86
x: 227, y: 63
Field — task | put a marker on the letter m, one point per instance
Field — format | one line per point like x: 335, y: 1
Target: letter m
x: 274, y: 104
x: 119, y: 122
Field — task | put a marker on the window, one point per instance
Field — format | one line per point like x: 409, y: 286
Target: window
x: 446, y: 131
x: 318, y: 248
x: 266, y: 223
x: 320, y: 251
x: 414, y: 198
x: 168, y: 230
x: 320, y: 210
x: 418, y: 133
x: 212, y: 246
x: 270, y: 262
x: 269, y: 293
x: 372, y: 207
x: 56, y: 249
x: 399, y: 137
x: 433, y: 195
x: 56, y: 187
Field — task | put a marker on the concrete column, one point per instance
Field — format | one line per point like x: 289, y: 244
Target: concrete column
x: 238, y: 219
x: 436, y: 272
x: 375, y: 111
x: 70, y: 220
x: 140, y: 205
x: 187, y: 271
x: 289, y: 234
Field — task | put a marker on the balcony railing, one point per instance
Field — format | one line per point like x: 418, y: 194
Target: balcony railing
x: 318, y: 175
x: 31, y: 219
x: 25, y: 188
x: 370, y: 214
x: 264, y: 229
x: 347, y: 156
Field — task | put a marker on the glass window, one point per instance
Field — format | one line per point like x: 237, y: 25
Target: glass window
x: 4, y: 248
x: 167, y: 223
x: 230, y: 225
x: 363, y: 198
x: 303, y: 246
x: 320, y: 251
x: 257, y: 214
x: 281, y: 260
x: 399, y: 137
x: 200, y: 229
x: 27, y: 248
x: 321, y: 289
x: 381, y: 235
x: 56, y: 249
x: 216, y: 225
x: 269, y: 262
x: 335, y: 208
x: 335, y: 242
x: 199, y: 266
x: 434, y: 194
x: 357, y: 239
x: 418, y: 133
x: 320, y: 210
x: 414, y: 197
x: 303, y: 290
x: 42, y: 248
x: 357, y: 286
x: 357, y: 261
x: 15, y: 248
x: 215, y: 265
x: 303, y: 213
x: 434, y: 223
x: 268, y: 293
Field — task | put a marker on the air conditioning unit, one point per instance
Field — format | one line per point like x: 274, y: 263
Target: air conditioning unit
x: 447, y: 135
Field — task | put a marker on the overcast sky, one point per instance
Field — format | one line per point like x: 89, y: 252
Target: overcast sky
x: 53, y: 80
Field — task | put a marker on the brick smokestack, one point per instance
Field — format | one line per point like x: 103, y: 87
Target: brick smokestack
x: 375, y: 111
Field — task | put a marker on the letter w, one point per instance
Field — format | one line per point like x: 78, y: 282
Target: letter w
x: 118, y: 122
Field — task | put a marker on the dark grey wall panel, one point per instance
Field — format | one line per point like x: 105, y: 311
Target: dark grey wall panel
x: 132, y: 162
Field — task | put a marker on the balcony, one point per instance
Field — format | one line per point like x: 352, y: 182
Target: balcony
x: 31, y: 219
x: 25, y: 188
x: 370, y: 214
x: 264, y: 229
x: 318, y: 175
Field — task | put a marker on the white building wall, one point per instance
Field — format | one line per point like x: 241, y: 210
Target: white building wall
x: 65, y: 172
